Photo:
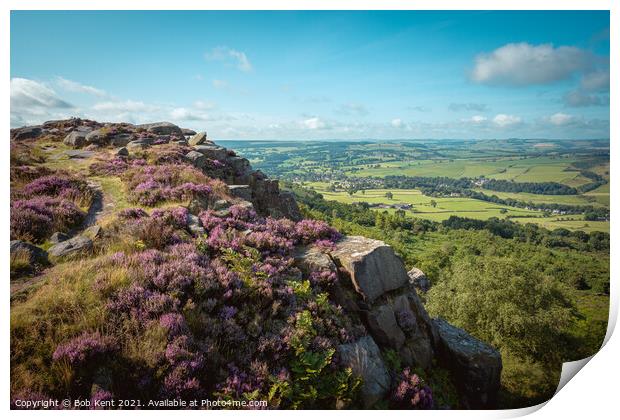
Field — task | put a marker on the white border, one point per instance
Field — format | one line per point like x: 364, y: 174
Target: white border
x: 591, y: 394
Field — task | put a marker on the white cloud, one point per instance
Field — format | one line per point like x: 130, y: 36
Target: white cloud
x: 525, y: 64
x: 561, y: 119
x: 504, y: 120
x: 315, y: 123
x: 26, y: 93
x: 397, y: 123
x: 219, y: 84
x: 478, y: 119
x: 124, y: 106
x: 72, y: 86
x: 204, y: 105
x: 226, y: 54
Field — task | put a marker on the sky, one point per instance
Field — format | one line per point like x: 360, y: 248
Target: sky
x: 318, y: 75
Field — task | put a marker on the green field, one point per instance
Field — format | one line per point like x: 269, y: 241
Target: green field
x: 597, y: 197
x: 540, y: 169
x: 459, y: 206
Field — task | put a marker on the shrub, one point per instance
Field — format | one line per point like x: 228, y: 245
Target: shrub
x: 411, y: 392
x: 35, y: 219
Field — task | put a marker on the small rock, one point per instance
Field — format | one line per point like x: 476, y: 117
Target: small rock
x: 138, y: 144
x: 419, y: 279
x: 37, y: 255
x: 221, y: 204
x: 79, y: 154
x: 70, y: 247
x: 122, y: 151
x: 58, y: 237
x: 195, y: 226
x: 364, y: 359
x: 198, y: 139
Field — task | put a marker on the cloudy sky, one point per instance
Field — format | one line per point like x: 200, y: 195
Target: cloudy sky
x: 318, y: 75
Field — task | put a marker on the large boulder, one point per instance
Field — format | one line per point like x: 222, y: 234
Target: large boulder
x: 197, y: 159
x: 418, y: 279
x: 74, y: 246
x: 76, y: 138
x: 163, y: 128
x: 373, y: 266
x: 288, y: 206
x: 212, y: 151
x: 364, y: 359
x: 197, y: 139
x: 311, y: 260
x: 476, y: 366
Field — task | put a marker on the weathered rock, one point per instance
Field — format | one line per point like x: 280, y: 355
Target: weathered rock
x: 372, y: 265
x: 475, y: 365
x: 198, y: 204
x: 212, y: 151
x: 162, y: 128
x: 98, y: 136
x: 382, y: 324
x: 70, y: 247
x: 120, y: 140
x: 76, y: 138
x: 288, y: 206
x: 197, y: 159
x: 194, y: 225
x: 419, y: 279
x: 242, y: 191
x: 221, y: 204
x: 79, y: 154
x: 26, y: 133
x: 240, y: 166
x: 138, y: 144
x: 122, y: 151
x: 188, y: 132
x: 92, y: 232
x: 364, y: 359
x: 58, y: 237
x: 312, y: 259
x: 197, y: 139
x: 36, y: 254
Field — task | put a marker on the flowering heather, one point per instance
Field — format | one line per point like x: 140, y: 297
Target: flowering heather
x: 37, y: 218
x: 28, y: 173
x: 114, y: 167
x: 59, y: 186
x: 411, y: 392
x: 309, y: 230
x: 150, y: 185
x: 85, y: 348
x: 98, y: 397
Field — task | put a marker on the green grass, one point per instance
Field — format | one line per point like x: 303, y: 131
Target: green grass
x: 590, y: 199
x: 462, y: 207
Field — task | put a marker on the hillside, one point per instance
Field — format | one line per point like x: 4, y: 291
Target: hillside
x: 150, y: 265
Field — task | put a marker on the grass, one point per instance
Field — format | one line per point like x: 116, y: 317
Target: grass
x: 539, y: 169
x: 574, y: 200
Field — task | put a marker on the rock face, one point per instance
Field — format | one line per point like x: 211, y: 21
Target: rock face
x: 419, y: 279
x: 76, y: 138
x: 375, y: 288
x: 26, y: 133
x: 70, y: 247
x: 373, y: 266
x: 364, y: 359
x: 476, y: 365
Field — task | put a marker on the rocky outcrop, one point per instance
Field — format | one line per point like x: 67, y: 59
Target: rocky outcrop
x: 35, y: 254
x: 76, y: 138
x: 476, y: 366
x: 197, y: 139
x: 162, y: 128
x: 364, y: 359
x: 26, y: 133
x: 375, y: 288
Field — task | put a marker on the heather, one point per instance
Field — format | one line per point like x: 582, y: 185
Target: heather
x: 225, y: 315
x: 150, y: 185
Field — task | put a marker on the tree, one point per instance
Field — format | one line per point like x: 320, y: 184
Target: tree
x: 433, y: 203
x: 389, y: 195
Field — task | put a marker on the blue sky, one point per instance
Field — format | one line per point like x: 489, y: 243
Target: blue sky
x: 318, y: 75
